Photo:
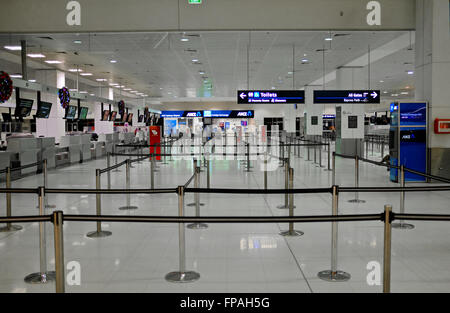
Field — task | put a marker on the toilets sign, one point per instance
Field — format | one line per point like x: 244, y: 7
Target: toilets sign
x: 270, y: 96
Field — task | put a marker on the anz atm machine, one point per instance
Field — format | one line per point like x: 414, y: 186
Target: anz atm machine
x: 408, y: 139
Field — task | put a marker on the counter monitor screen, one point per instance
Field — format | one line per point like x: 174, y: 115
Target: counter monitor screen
x: 6, y: 117
x: 140, y: 118
x: 83, y: 113
x: 130, y: 118
x: 43, y: 110
x: 124, y: 117
x: 71, y: 112
x: 112, y: 118
x: 105, y: 116
x: 24, y: 108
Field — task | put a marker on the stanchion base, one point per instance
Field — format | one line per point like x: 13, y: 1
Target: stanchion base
x: 193, y: 204
x: 128, y: 207
x: 197, y: 226
x: 357, y: 201
x: 402, y: 225
x: 40, y: 278
x: 10, y: 228
x: 48, y: 206
x: 294, y: 233
x: 283, y: 207
x: 182, y: 277
x: 98, y: 234
x: 338, y: 276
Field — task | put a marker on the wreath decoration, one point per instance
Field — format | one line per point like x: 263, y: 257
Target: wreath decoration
x: 121, y: 105
x: 64, y: 97
x: 6, y: 87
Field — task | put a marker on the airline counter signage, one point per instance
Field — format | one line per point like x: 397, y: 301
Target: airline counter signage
x: 270, y: 96
x: 229, y: 114
x: 168, y: 114
x: 346, y: 96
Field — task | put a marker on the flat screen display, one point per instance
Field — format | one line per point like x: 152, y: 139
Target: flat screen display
x: 6, y: 117
x: 413, y: 114
x: 83, y: 113
x: 130, y: 117
x: 140, y: 118
x: 71, y: 112
x: 43, y: 110
x: 112, y: 118
x: 24, y: 108
x: 124, y: 117
x: 105, y: 116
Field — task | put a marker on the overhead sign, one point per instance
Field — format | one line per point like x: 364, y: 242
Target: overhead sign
x: 181, y: 114
x: 270, y: 96
x: 229, y: 114
x: 195, y: 1
x: 346, y: 96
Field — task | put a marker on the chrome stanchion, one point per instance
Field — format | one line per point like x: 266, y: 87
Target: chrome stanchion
x: 367, y: 147
x: 44, y: 174
x: 334, y: 274
x: 320, y: 154
x: 197, y: 202
x: 315, y: 151
x: 387, y: 249
x: 128, y: 206
x: 208, y: 174
x: 286, y: 186
x: 265, y: 171
x: 372, y: 145
x: 43, y: 276
x: 152, y: 171
x: 382, y: 149
x: 99, y: 233
x: 9, y: 226
x: 58, y: 239
x: 402, y: 224
x: 333, y: 175
x: 196, y: 175
x: 356, y: 200
x: 248, y: 159
x: 328, y: 157
x: 182, y: 276
x: 298, y: 148
x: 309, y: 151
x: 164, y: 153
x: 117, y: 170
x: 140, y: 155
x: 291, y: 231
x: 108, y: 174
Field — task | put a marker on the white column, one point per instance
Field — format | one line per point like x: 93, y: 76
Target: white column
x: 312, y: 109
x: 54, y: 126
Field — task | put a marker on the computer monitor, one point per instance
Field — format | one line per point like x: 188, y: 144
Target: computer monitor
x: 130, y: 118
x: 112, y: 118
x: 24, y: 108
x: 140, y: 118
x: 105, y: 116
x: 43, y: 110
x: 6, y: 117
x: 71, y: 112
x: 124, y: 117
x: 83, y: 113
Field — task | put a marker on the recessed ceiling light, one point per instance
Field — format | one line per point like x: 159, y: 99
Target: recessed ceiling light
x: 145, y: 95
x: 16, y: 76
x: 200, y: 72
x: 75, y: 70
x: 160, y: 88
x: 290, y: 73
x: 53, y: 62
x: 407, y: 87
x: 36, y: 55
x: 83, y: 92
x: 32, y: 80
x: 410, y: 72
x: 127, y: 89
x: 113, y: 84
x: 91, y: 94
x: 328, y: 38
x: 184, y: 39
x: 381, y: 81
x: 86, y: 74
x: 195, y: 60
x: 77, y: 41
x: 394, y: 94
x: 13, y: 48
x: 101, y: 79
x: 385, y: 91
x: 304, y: 60
x: 113, y: 61
x: 404, y: 92
x: 73, y: 89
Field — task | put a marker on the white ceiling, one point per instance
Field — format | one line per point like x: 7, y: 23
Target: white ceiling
x: 160, y: 64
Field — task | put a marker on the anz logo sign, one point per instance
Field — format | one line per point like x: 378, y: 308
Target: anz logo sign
x: 194, y: 114
x: 245, y: 114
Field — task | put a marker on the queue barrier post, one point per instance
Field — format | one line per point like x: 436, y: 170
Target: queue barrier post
x: 128, y: 205
x: 117, y: 170
x: 291, y: 232
x: 315, y: 150
x: 249, y: 166
x: 195, y: 164
x: 45, y: 174
x: 356, y: 200
x: 9, y: 227
x: 333, y: 274
x: 208, y: 174
x: 197, y: 202
x: 58, y: 239
x: 320, y: 152
x: 387, y: 249
x: 108, y: 164
x: 182, y: 275
x: 333, y: 174
x: 401, y: 224
x: 328, y: 157
x: 286, y: 186
x: 43, y: 276
x: 152, y: 171
x: 98, y: 233
x: 309, y: 151
x: 265, y: 170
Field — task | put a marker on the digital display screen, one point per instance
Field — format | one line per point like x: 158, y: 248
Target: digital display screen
x: 124, y: 117
x: 24, y: 108
x: 140, y: 118
x: 270, y: 96
x: 352, y: 121
x: 105, y: 116
x: 413, y: 114
x: 71, y: 111
x: 112, y: 118
x: 43, y: 110
x: 243, y: 123
x: 130, y: 117
x: 83, y: 113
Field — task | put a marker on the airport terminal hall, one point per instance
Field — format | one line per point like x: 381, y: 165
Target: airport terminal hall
x: 197, y: 148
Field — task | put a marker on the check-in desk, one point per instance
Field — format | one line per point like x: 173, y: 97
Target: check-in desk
x: 108, y: 143
x: 85, y: 142
x: 47, y: 151
x: 72, y: 143
x: 97, y: 149
x: 24, y: 151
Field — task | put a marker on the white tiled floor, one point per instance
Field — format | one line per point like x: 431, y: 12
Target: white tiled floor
x: 229, y: 257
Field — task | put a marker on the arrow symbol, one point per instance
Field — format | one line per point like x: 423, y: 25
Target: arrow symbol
x: 374, y: 94
x: 242, y: 95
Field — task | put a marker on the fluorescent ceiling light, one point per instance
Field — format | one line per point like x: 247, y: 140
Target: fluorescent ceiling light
x: 15, y: 76
x: 113, y: 61
x: 290, y: 73
x: 127, y: 89
x: 184, y: 39
x: 113, y: 84
x: 101, y: 79
x: 32, y: 80
x: 86, y: 74
x: 75, y: 70
x: 77, y: 41
x: 404, y: 92
x: 73, y: 89
x: 201, y: 73
x: 381, y: 81
x: 91, y: 94
x: 13, y: 48
x: 195, y: 60
x: 145, y: 95
x: 304, y: 60
x: 53, y: 62
x: 83, y: 92
x: 36, y: 55
x: 328, y: 39
x: 410, y: 72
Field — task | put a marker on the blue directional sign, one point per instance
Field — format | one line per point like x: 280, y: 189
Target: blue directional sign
x: 270, y: 96
x: 212, y: 113
x: 346, y: 96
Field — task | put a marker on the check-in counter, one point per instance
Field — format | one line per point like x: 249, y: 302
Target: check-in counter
x: 108, y: 140
x: 62, y: 156
x: 74, y: 147
x: 97, y: 149
x: 47, y: 151
x: 85, y: 142
x: 24, y: 151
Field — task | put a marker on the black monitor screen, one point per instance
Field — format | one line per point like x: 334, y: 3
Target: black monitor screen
x: 314, y: 120
x: 130, y: 118
x: 112, y: 118
x: 24, y: 108
x: 140, y: 118
x: 6, y: 117
x: 352, y: 121
x: 43, y: 110
x: 71, y: 112
x: 124, y: 117
x: 83, y: 113
x: 105, y: 116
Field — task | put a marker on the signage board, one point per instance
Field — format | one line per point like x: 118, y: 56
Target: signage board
x: 181, y: 114
x: 211, y: 113
x: 346, y: 96
x: 270, y: 96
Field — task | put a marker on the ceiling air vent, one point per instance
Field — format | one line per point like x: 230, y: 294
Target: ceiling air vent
x: 46, y: 37
x: 341, y: 35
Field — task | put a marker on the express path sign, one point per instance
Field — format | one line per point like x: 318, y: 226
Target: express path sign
x: 270, y: 96
x: 346, y: 96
